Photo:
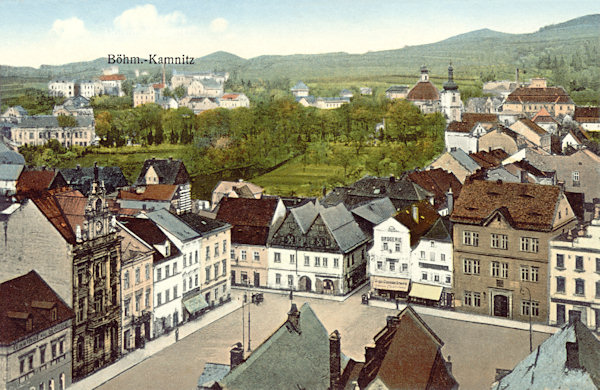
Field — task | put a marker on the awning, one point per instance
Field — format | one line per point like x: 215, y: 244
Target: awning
x: 425, y: 291
x: 195, y: 304
x: 393, y: 284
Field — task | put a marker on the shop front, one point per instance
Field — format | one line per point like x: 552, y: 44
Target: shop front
x: 425, y: 294
x: 389, y: 288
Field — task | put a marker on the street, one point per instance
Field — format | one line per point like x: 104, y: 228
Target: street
x: 476, y: 350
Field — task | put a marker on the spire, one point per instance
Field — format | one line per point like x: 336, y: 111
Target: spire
x: 424, y: 73
x: 95, y: 182
x: 450, y: 84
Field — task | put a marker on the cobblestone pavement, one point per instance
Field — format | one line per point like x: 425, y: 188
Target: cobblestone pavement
x: 476, y: 349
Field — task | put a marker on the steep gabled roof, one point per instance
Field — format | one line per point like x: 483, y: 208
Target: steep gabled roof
x: 169, y: 171
x: 489, y: 159
x: 548, y: 367
x: 407, y: 355
x: 150, y: 233
x: 587, y: 114
x: 437, y: 181
x: 539, y: 95
x: 426, y: 216
x: 305, y: 215
x: 28, y: 297
x: 251, y: 219
x: 164, y: 192
x: 543, y: 116
x: 32, y: 182
x: 342, y: 226
x: 375, y: 211
x: 64, y: 208
x: 530, y: 206
x: 81, y: 178
x: 294, y: 358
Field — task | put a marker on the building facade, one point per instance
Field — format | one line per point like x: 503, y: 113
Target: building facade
x: 501, y: 237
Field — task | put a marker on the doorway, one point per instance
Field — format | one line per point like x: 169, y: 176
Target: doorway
x: 304, y: 284
x: 500, y: 306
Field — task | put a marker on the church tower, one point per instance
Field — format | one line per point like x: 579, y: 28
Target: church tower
x: 97, y: 222
x: 450, y: 98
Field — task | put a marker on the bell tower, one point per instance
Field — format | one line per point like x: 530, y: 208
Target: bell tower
x: 450, y: 98
x: 97, y: 215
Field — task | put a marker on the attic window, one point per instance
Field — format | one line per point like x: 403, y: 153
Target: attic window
x: 534, y: 214
x: 526, y: 196
x: 493, y: 193
x: 471, y: 208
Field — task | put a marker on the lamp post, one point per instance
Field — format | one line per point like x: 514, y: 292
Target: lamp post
x: 530, y: 308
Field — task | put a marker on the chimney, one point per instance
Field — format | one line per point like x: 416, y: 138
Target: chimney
x: 572, y: 361
x: 236, y: 355
x: 369, y: 353
x: 415, y: 213
x: 450, y: 200
x: 294, y: 317
x: 392, y: 322
x: 449, y: 365
x: 334, y: 360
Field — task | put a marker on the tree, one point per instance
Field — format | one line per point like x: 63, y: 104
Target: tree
x: 180, y: 92
x: 403, y: 122
x: 66, y: 121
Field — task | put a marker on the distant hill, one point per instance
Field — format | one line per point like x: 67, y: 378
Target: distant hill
x: 470, y: 53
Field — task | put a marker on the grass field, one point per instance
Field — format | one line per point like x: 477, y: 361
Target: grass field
x: 299, y: 179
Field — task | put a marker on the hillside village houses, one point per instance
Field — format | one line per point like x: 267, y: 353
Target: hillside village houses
x: 301, y: 94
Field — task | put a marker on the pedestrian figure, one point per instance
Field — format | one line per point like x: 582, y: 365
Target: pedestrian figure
x: 396, y: 303
x: 176, y: 334
x: 291, y: 295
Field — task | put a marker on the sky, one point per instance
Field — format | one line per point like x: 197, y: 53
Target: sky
x: 58, y: 32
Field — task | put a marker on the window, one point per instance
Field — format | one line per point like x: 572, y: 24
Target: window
x: 422, y: 254
x: 499, y: 241
x: 184, y: 285
x: 404, y: 267
x: 391, y: 264
x: 196, y: 257
x: 432, y: 256
x: 147, y: 298
x: 385, y: 246
x: 292, y: 258
x: 324, y: 261
x: 185, y: 260
x: 530, y: 274
x: 336, y: 262
x: 243, y: 255
x: 380, y: 265
x: 207, y: 271
x: 42, y: 354
x: 578, y: 263
x: 147, y: 271
x: 290, y: 280
x: 598, y: 267
x: 232, y: 254
x: 158, y: 299
x: 216, y: 267
x: 560, y: 284
x: 306, y: 261
x: 397, y: 247
x: 436, y: 278
x: 476, y: 299
x: 575, y: 176
x: 196, y: 280
x: 224, y: 264
x: 277, y: 257
x: 256, y: 256
x: 174, y: 292
x: 216, y: 249
x: 317, y: 261
x: 560, y: 261
x: 530, y: 307
x: 207, y: 253
x: 138, y: 301
x: 471, y: 238
x: 174, y: 268
x: 167, y: 295
x: 137, y: 275
x: 244, y: 277
x: 529, y: 244
x: 224, y: 246
x: 167, y: 271
x: 126, y: 279
x: 277, y: 278
x: 598, y: 291
x: 579, y: 287
x: 424, y: 276
x: 471, y: 266
x: 534, y: 274
x: 448, y: 279
x: 442, y: 257
x: 468, y: 298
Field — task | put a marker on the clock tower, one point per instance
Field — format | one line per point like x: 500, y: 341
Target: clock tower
x: 97, y: 222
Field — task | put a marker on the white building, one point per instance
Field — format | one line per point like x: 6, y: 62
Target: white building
x: 450, y: 102
x: 63, y: 88
x: 574, y: 269
x: 412, y: 254
x: 234, y: 100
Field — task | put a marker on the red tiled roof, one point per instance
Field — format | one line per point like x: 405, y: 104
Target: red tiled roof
x: 438, y: 182
x: 525, y: 206
x: 17, y: 297
x: 112, y: 77
x: 158, y: 86
x: 587, y: 114
x: 35, y: 181
x: 469, y: 120
x: 423, y: 90
x: 543, y: 116
x: 151, y: 192
x: 489, y: 159
x: 230, y: 96
x: 50, y: 204
x: 427, y: 216
x: 539, y: 95
x: 250, y: 218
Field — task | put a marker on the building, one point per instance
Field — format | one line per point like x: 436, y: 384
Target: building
x: 167, y: 281
x: 81, y: 179
x: 152, y: 197
x: 199, y: 104
x: 13, y: 114
x: 588, y: 117
x: 466, y: 133
x: 234, y: 100
x: 424, y: 94
x: 537, y: 95
x: 397, y: 92
x: 205, y: 245
x: 137, y: 281
x: 235, y: 189
x: 37, y: 130
x: 168, y: 171
x: 546, y: 121
x: 331, y: 103
x: 501, y: 137
x: 366, y: 91
x: 185, y: 78
x: 143, y: 94
x: 483, y: 105
x: 205, y: 88
x: 90, y: 88
x: 284, y: 356
x: 318, y: 249
x: 414, y: 246
x: 450, y: 102
x: 252, y: 221
x: 34, y: 182
x: 11, y: 166
x: 566, y: 360
x: 574, y: 267
x: 35, y: 342
x: 444, y: 186
x: 63, y: 88
x: 300, y: 89
x: 74, y: 106
x: 535, y: 135
x: 458, y: 162
x: 405, y: 354
x: 501, y: 233
x: 499, y: 88
x: 112, y: 84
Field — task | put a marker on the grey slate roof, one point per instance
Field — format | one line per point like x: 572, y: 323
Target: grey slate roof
x: 376, y: 211
x: 343, y: 227
x: 167, y: 171
x: 299, y: 86
x: 203, y: 225
x: 213, y: 372
x: 440, y: 231
x: 293, y: 358
x: 464, y: 160
x: 545, y: 368
x: 51, y: 121
x: 81, y: 178
x: 10, y: 172
x: 310, y: 99
x: 8, y: 156
x: 305, y: 216
x: 173, y: 225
